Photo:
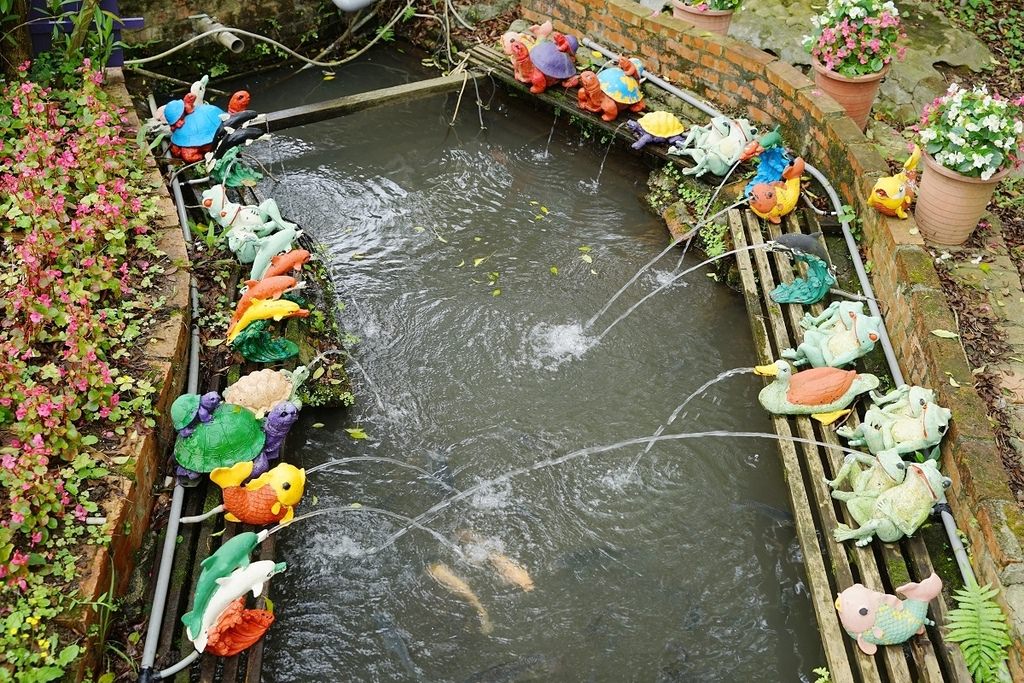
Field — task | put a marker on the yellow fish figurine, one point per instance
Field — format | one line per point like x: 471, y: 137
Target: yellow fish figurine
x: 265, y: 309
x: 268, y: 499
x: 893, y: 194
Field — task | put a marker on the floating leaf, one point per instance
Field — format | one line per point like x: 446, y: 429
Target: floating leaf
x: 587, y: 258
x: 439, y: 238
x: 419, y: 228
x: 477, y: 239
x: 554, y: 270
x: 318, y: 373
x: 356, y: 433
x: 532, y: 203
x: 496, y: 292
x: 945, y: 334
x: 318, y: 425
x: 544, y: 209
x: 214, y: 342
x: 478, y: 261
x: 329, y: 77
x: 461, y: 263
x: 593, y: 272
x: 585, y: 249
x: 357, y: 256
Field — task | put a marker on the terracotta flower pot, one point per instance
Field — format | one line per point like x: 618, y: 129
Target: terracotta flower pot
x: 949, y: 205
x: 713, y: 20
x: 856, y: 94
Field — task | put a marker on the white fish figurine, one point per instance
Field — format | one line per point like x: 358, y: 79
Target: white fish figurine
x: 229, y: 589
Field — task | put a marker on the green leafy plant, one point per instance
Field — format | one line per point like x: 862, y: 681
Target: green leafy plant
x: 823, y: 675
x: 979, y: 626
x: 856, y: 37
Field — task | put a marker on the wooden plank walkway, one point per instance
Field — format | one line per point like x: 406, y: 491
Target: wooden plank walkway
x: 831, y: 566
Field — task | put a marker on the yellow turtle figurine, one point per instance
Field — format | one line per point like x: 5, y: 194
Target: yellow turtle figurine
x: 893, y: 195
x: 656, y: 126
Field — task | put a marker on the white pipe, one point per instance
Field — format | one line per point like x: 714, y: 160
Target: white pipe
x: 205, y: 24
x: 959, y: 552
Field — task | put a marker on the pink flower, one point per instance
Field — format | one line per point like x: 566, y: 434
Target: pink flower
x: 9, y: 462
x: 35, y: 317
x: 17, y: 518
x: 80, y: 513
x: 19, y: 559
x: 36, y: 538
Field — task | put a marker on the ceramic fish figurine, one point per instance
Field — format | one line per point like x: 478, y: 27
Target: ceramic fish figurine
x: 265, y: 310
x: 874, y: 618
x: 257, y: 345
x: 772, y: 201
x: 267, y: 289
x: 443, y: 574
x: 893, y: 195
x: 268, y: 499
x: 822, y: 393
x: 237, y: 629
x: 282, y: 264
x: 806, y: 290
x: 232, y: 554
x: 230, y: 588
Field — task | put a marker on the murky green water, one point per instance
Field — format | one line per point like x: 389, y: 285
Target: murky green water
x: 688, y: 572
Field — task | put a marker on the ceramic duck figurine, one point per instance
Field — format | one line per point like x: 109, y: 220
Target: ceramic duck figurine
x: 874, y: 618
x: 772, y: 201
x: 822, y: 393
x: 893, y: 195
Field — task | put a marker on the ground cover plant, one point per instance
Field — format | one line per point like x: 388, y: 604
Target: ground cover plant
x: 78, y: 261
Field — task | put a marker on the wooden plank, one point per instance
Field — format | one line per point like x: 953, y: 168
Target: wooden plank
x: 311, y: 113
x: 864, y: 558
x: 833, y: 638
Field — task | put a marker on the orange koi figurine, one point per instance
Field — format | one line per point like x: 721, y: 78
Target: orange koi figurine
x: 268, y: 288
x: 267, y: 499
x: 237, y: 628
x: 286, y: 263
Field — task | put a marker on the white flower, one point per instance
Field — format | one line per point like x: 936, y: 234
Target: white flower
x: 978, y: 160
x: 988, y: 173
x: 992, y: 122
x: 972, y: 127
x: 928, y: 134
x: 1018, y: 127
x: 956, y: 158
x: 857, y: 13
x: 957, y: 140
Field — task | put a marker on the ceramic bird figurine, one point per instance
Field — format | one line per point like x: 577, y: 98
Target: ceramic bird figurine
x: 822, y: 393
x: 874, y: 618
x: 893, y: 195
x: 267, y: 499
x: 772, y: 201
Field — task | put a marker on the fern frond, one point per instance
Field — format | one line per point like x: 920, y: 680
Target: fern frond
x: 979, y: 626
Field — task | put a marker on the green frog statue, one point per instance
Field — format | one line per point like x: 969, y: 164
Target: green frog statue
x: 903, y: 421
x: 897, y: 511
x: 838, y: 336
x: 869, y: 475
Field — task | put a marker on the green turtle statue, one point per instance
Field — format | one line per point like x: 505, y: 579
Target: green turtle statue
x: 233, y: 434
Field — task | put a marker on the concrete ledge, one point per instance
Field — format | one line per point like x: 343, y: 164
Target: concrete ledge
x: 744, y: 81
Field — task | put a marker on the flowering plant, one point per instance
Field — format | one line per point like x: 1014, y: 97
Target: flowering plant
x: 974, y: 133
x: 718, y: 5
x: 856, y: 37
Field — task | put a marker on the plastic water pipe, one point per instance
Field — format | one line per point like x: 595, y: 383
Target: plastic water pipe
x: 146, y: 671
x: 204, y: 23
x: 959, y: 552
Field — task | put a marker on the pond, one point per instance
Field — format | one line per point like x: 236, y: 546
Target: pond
x: 463, y: 256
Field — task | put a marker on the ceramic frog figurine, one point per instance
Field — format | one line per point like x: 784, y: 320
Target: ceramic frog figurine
x: 896, y: 512
x: 838, y: 336
x: 878, y: 474
x: 717, y: 146
x: 903, y: 421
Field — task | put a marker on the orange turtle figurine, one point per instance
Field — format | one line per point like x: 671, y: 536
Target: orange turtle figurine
x: 268, y: 288
x: 286, y: 263
x: 237, y: 629
x: 823, y: 393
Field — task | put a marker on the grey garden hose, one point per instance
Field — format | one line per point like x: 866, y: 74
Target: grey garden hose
x: 962, y: 560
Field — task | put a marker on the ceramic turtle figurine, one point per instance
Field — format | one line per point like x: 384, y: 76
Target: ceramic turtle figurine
x: 190, y: 410
x: 543, y: 66
x: 612, y: 90
x: 275, y: 427
x: 232, y: 435
x: 896, y: 512
x: 656, y: 126
x: 822, y: 393
x: 261, y: 390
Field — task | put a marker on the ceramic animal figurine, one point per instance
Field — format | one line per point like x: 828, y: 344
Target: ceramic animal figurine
x: 193, y: 123
x: 237, y: 131
x: 873, y: 618
x: 227, y: 170
x: 261, y: 220
x: 190, y: 410
x: 232, y: 435
x: 895, y: 512
x: 288, y: 262
x: 268, y: 499
x: 229, y: 589
x: 265, y: 310
x: 269, y: 247
x: 261, y: 390
x: 903, y: 421
x: 257, y: 345
x: 822, y: 393
x: 237, y: 629
x: 657, y: 127
x: 544, y: 65
x: 838, y: 336
x: 717, y: 146
x: 809, y: 289
x: 267, y: 289
x: 772, y: 201
x: 893, y: 195
x: 233, y: 554
x: 612, y: 90
x: 869, y: 476
x: 276, y: 426
x: 773, y: 162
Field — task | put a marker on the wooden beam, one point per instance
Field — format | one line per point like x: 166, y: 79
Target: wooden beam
x: 311, y: 113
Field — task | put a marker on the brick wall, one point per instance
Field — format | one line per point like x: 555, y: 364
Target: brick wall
x: 741, y: 80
